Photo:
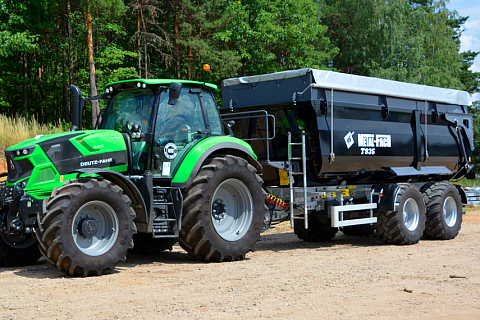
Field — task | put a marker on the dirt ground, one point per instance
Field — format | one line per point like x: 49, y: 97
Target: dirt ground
x: 285, y: 278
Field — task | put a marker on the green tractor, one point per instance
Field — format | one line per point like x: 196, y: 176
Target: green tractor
x: 157, y: 170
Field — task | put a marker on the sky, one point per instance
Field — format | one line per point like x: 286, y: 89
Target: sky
x: 470, y: 39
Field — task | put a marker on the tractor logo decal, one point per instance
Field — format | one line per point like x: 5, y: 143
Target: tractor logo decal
x: 95, y: 162
x: 170, y: 151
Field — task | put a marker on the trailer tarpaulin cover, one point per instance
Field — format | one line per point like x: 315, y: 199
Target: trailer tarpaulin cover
x: 354, y: 83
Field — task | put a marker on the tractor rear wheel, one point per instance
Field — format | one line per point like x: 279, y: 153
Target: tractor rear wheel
x: 223, y: 210
x: 87, y: 228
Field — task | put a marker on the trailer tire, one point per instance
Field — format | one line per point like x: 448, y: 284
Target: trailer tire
x: 223, y: 210
x: 87, y: 227
x: 444, y: 211
x: 18, y: 251
x: 319, y: 229
x: 404, y: 226
x: 145, y: 244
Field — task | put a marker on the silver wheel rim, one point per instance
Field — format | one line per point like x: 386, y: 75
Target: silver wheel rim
x: 411, y: 214
x: 450, y: 211
x: 232, y: 210
x: 95, y: 228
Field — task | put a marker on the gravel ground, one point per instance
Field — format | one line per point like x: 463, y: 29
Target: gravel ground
x: 285, y: 278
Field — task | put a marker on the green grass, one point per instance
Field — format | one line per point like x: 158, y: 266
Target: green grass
x: 468, y: 182
x: 18, y: 129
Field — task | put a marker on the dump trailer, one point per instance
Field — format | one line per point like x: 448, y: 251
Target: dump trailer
x: 157, y: 170
x: 360, y: 154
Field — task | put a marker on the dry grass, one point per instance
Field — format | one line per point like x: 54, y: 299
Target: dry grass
x: 18, y: 129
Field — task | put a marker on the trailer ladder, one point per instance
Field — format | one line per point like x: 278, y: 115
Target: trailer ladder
x: 291, y: 174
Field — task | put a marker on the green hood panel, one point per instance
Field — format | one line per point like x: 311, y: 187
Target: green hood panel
x: 47, y: 161
x: 87, y: 141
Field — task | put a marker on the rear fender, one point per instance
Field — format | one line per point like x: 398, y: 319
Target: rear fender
x: 388, y: 198
x: 197, y: 156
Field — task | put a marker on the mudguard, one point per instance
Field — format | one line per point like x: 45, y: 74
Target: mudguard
x: 130, y: 189
x: 210, y: 147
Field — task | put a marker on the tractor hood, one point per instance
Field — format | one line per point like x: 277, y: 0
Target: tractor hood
x: 48, y: 158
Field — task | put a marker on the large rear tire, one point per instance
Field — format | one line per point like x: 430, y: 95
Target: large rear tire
x: 406, y: 224
x: 87, y: 228
x: 223, y: 210
x: 444, y: 211
x: 319, y: 229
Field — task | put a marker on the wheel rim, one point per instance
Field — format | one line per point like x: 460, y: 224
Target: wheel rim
x: 411, y: 214
x: 232, y: 210
x: 95, y: 228
x: 450, y: 211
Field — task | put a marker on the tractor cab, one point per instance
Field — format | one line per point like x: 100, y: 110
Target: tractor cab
x: 161, y: 120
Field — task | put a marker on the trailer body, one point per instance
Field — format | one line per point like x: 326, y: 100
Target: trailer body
x: 346, y: 147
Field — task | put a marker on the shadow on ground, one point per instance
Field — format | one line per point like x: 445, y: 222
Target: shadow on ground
x: 269, y: 242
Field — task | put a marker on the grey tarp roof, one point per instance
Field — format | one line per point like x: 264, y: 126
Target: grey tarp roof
x: 350, y: 82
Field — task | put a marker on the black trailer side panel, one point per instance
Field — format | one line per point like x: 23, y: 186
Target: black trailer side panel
x: 375, y: 136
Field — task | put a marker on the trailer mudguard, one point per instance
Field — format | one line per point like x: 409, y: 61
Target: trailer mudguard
x: 195, y: 158
x: 389, y: 195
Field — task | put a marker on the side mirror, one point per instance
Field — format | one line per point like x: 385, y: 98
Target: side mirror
x: 174, y: 93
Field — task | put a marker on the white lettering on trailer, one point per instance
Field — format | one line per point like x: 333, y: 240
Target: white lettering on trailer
x: 383, y: 141
x: 369, y: 141
x: 366, y: 140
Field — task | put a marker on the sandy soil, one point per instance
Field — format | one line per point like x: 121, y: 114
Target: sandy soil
x: 285, y: 278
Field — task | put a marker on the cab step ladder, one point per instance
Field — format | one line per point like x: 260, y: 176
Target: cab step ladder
x: 302, y: 171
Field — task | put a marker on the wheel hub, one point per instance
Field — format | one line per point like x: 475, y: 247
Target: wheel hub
x: 87, y: 227
x: 218, y: 209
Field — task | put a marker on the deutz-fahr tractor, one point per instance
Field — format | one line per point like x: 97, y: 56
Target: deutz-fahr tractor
x: 157, y: 170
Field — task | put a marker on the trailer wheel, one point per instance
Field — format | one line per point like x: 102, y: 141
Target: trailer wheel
x: 18, y: 251
x: 407, y: 223
x: 87, y: 228
x: 223, y: 210
x: 319, y: 229
x: 144, y: 244
x: 444, y: 211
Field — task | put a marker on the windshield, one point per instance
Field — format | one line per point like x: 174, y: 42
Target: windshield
x: 129, y: 106
x: 185, y: 114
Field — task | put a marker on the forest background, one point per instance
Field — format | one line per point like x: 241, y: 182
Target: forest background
x: 47, y: 45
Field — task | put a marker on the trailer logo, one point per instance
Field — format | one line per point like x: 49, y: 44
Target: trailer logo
x: 374, y: 140
x: 369, y: 141
x: 349, y: 139
x: 170, y: 151
x: 95, y: 162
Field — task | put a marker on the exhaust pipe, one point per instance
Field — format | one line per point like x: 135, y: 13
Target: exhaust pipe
x: 77, y: 108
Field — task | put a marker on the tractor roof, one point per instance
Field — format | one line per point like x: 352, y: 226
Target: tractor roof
x: 162, y: 82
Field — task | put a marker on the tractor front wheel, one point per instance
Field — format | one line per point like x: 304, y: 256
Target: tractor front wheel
x: 87, y: 228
